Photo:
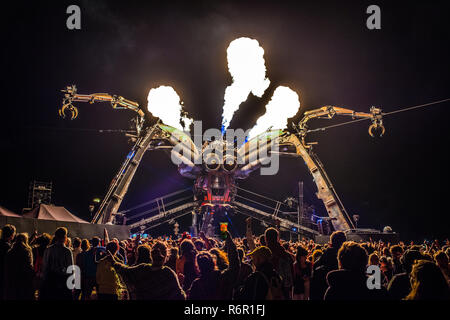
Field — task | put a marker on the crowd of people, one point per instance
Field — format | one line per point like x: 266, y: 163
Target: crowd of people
x: 42, y: 267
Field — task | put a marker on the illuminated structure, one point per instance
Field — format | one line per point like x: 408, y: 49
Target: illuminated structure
x: 214, y: 179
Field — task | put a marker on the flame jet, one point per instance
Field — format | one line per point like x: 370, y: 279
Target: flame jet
x: 164, y: 103
x: 283, y: 105
x: 247, y: 68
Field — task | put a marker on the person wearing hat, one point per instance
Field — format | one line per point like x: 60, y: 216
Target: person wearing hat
x: 256, y: 287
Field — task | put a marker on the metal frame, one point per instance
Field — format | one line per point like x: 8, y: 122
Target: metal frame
x: 119, y: 186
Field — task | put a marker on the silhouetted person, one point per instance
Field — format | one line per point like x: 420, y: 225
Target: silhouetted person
x: 143, y: 254
x: 108, y: 282
x: 326, y: 263
x: 396, y: 253
x: 76, y: 248
x: 172, y: 260
x: 19, y: 271
x: 214, y: 283
x: 152, y: 281
x: 428, y: 282
x: 264, y: 283
x: 8, y: 233
x: 281, y: 260
x: 244, y: 271
x: 400, y: 286
x: 185, y: 265
x: 57, y: 258
x: 90, y: 259
x: 38, y: 258
x: 302, y: 275
x: 80, y: 262
x: 350, y: 281
x: 441, y: 260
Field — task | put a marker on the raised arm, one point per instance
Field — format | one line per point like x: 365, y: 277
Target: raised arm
x: 249, y: 235
x: 205, y: 240
x: 232, y: 252
x: 117, y: 102
x: 105, y: 236
x: 128, y: 273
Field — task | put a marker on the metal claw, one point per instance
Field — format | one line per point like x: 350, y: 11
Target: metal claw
x: 376, y: 126
x: 74, y: 113
x: 68, y: 106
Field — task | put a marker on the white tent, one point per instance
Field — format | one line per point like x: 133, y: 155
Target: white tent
x: 7, y: 213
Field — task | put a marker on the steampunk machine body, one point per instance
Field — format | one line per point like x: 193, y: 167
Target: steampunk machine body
x: 215, y: 179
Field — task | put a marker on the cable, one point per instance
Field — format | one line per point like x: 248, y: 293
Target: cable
x: 154, y: 200
x: 415, y: 107
x: 256, y: 194
x: 337, y: 125
x: 384, y: 114
x: 85, y: 129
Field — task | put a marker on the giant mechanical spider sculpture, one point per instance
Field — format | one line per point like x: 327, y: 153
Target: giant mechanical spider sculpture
x: 215, y: 178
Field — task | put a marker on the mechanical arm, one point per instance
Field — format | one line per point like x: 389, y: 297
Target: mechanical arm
x: 286, y: 140
x: 328, y: 112
x: 117, y: 102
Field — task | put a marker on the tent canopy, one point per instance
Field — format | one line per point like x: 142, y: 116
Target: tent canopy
x: 7, y: 213
x: 48, y: 212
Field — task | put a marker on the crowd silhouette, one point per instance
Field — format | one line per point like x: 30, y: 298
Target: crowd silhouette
x: 41, y: 267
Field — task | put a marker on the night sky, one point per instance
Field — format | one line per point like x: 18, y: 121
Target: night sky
x: 323, y: 50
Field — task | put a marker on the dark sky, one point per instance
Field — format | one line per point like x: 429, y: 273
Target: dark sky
x: 321, y: 49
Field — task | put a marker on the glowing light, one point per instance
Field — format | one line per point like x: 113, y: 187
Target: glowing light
x: 247, y: 67
x: 283, y: 105
x: 164, y: 103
